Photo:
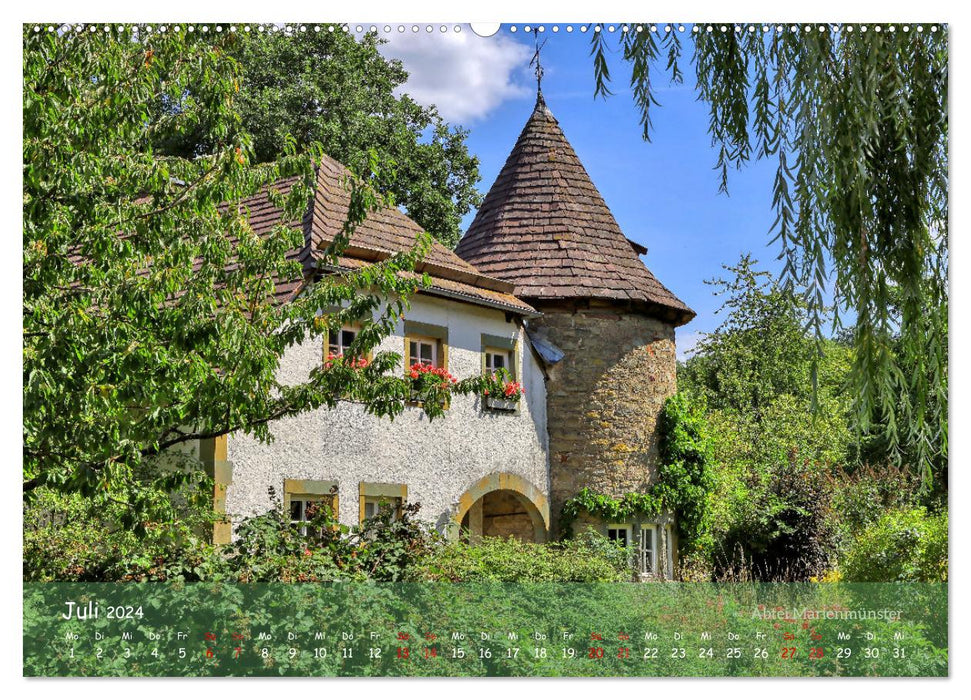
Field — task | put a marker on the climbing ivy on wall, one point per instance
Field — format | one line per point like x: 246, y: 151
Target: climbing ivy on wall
x: 685, y: 476
x: 684, y: 480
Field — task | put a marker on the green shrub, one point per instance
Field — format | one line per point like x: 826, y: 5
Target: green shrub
x: 587, y: 558
x: 392, y: 542
x: 269, y: 548
x: 68, y: 538
x: 781, y: 525
x: 903, y: 545
x: 685, y: 478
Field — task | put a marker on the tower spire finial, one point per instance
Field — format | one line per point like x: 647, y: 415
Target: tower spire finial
x: 539, y: 67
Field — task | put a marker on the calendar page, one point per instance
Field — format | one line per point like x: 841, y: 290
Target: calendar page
x: 456, y: 629
x: 434, y: 349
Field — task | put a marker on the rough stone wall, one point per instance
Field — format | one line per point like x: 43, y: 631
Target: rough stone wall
x: 504, y: 515
x: 438, y: 460
x: 604, y: 398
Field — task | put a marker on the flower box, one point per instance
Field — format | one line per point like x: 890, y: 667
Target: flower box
x: 423, y: 376
x: 501, y: 404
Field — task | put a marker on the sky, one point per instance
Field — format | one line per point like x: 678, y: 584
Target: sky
x: 664, y: 194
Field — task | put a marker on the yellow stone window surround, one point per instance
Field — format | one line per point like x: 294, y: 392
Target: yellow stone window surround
x: 310, y: 491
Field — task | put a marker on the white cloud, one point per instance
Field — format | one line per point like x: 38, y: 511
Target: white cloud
x: 464, y: 75
x: 686, y: 343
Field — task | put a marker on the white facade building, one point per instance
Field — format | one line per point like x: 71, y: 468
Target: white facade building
x: 544, y: 284
x: 481, y: 466
x: 471, y: 450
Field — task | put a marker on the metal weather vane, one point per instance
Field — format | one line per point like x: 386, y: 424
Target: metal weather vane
x: 535, y: 62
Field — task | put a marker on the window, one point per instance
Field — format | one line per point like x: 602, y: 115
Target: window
x: 372, y: 505
x: 302, y: 499
x: 373, y: 495
x: 339, y: 342
x: 619, y: 534
x: 425, y: 344
x: 497, y: 359
x: 422, y: 351
x: 499, y: 352
x: 302, y: 511
x: 647, y: 551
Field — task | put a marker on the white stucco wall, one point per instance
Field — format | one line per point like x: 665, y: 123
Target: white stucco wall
x: 438, y: 460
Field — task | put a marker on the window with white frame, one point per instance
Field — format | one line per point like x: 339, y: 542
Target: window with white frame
x: 302, y: 501
x: 339, y: 341
x: 372, y: 505
x: 422, y: 351
x: 647, y: 549
x: 619, y: 534
x: 497, y: 359
x: 303, y: 509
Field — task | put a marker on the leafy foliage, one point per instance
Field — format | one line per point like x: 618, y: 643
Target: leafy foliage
x: 856, y: 122
x: 795, y: 494
x: 342, y: 93
x: 903, y: 545
x: 66, y: 540
x: 759, y: 352
x: 610, y: 508
x: 149, y: 308
x: 862, y: 495
x: 685, y: 480
x: 785, y: 473
x: 68, y: 537
x: 269, y: 548
x: 585, y: 559
x: 783, y: 529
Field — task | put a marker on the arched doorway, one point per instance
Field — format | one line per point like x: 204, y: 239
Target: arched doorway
x: 502, y: 505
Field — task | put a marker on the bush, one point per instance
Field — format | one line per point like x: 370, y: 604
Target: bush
x: 862, y: 495
x: 587, y: 558
x: 391, y: 543
x: 903, y: 545
x: 68, y: 538
x: 269, y: 548
x: 782, y: 526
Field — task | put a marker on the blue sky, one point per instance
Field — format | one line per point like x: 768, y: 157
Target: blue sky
x: 664, y: 194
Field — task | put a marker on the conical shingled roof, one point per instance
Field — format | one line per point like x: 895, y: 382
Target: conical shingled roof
x: 544, y: 226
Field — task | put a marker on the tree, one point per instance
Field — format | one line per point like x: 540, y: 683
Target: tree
x: 756, y: 370
x: 759, y: 352
x: 774, y: 456
x: 856, y: 119
x: 327, y: 87
x: 149, y: 313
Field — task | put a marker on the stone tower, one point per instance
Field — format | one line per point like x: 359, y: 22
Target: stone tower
x: 545, y: 227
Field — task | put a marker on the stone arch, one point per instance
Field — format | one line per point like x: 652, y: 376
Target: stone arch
x: 536, y: 505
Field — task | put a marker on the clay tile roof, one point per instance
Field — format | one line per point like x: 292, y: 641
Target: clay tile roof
x: 544, y: 226
x: 384, y: 232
